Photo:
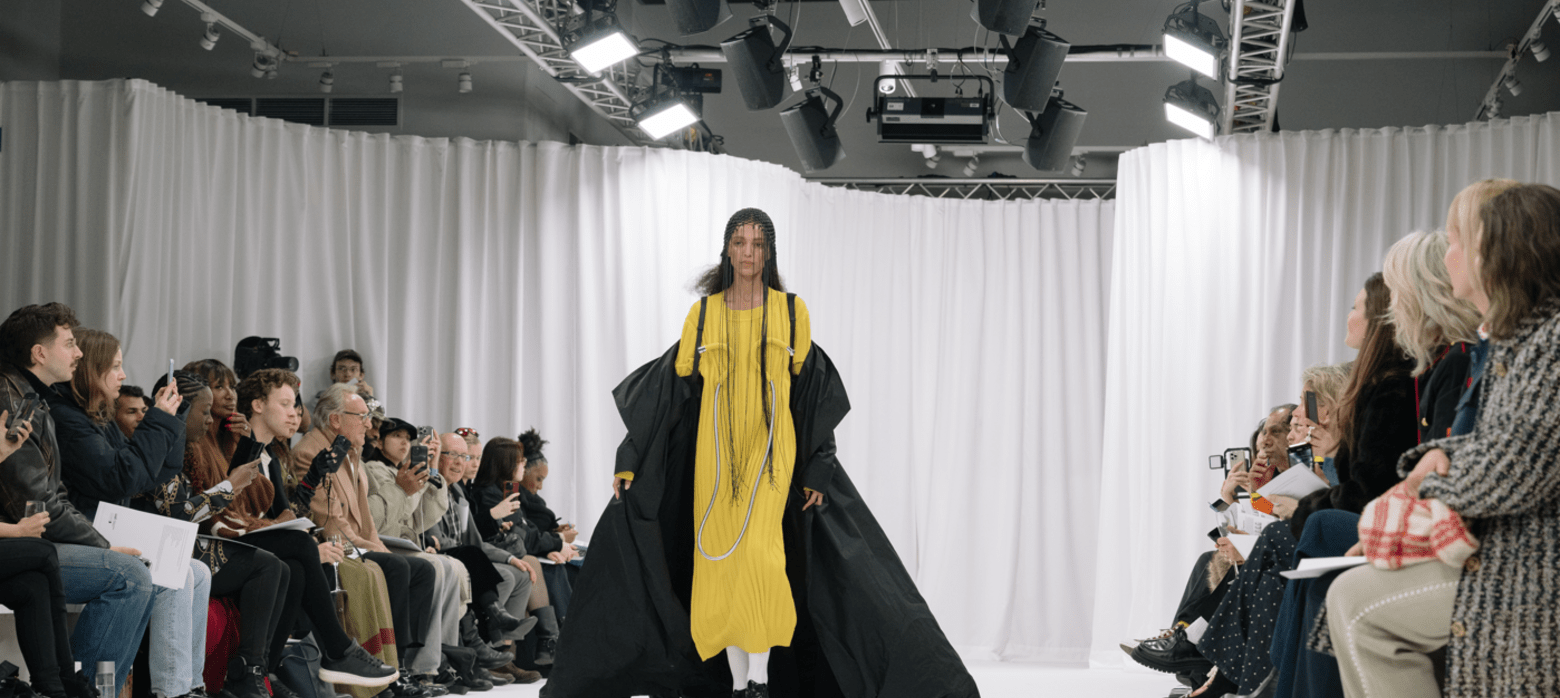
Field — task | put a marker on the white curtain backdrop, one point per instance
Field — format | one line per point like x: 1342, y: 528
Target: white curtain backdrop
x: 1234, y: 268
x: 504, y: 285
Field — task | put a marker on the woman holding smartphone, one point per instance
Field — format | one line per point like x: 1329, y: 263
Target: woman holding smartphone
x: 99, y: 464
x: 495, y: 507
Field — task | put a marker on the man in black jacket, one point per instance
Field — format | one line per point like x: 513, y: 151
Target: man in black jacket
x: 38, y: 349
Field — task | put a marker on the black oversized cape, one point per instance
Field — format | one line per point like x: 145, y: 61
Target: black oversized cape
x: 863, y: 629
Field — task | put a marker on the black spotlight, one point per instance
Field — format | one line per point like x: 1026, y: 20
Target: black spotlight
x: 758, y: 64
x: 1053, y: 134
x: 694, y: 16
x: 1004, y: 16
x: 810, y: 124
x: 1032, y: 68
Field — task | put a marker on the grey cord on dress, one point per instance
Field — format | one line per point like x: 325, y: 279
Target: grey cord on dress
x: 756, y: 480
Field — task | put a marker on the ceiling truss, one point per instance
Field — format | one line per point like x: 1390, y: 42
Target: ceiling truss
x: 982, y: 189
x: 531, y: 25
x: 1259, y: 49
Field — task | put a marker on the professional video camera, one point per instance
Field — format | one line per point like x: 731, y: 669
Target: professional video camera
x: 255, y: 353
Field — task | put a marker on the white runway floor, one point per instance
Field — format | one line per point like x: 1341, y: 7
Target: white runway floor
x: 1007, y: 680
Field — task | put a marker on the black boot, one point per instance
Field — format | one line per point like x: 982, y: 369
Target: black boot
x: 1171, y: 655
x: 546, y: 635
x: 497, y: 618
x: 244, y: 680
x: 77, y: 685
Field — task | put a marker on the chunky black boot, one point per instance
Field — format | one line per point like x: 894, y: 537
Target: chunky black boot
x: 546, y: 635
x: 244, y: 680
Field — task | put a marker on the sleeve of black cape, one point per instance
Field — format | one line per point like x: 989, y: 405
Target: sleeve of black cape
x: 873, y: 627
x: 628, y: 619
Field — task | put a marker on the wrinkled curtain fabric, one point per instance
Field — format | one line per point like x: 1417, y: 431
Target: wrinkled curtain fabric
x: 504, y: 285
x: 1235, y: 264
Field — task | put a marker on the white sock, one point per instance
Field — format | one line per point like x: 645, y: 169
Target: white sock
x: 758, y: 667
x: 1194, y: 632
x: 739, y: 667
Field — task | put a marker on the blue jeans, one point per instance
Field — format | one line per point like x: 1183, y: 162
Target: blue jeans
x: 178, y: 634
x: 117, y: 591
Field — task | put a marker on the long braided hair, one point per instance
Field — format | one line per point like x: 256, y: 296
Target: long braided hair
x: 717, y: 280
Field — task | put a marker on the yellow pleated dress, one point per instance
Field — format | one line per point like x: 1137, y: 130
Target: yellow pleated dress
x: 741, y: 596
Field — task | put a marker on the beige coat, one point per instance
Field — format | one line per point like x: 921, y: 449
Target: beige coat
x: 341, y: 505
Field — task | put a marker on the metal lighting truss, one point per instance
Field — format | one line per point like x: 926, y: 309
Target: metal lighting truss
x: 1490, y: 107
x: 532, y: 26
x: 1259, y: 48
x: 983, y: 189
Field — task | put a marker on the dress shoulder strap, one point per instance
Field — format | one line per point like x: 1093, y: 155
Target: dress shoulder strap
x: 790, y: 304
x: 698, y: 339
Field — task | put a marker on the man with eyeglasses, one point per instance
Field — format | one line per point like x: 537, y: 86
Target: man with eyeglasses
x: 341, y: 507
x: 500, y: 606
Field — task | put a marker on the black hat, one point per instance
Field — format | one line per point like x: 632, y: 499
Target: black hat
x: 393, y: 425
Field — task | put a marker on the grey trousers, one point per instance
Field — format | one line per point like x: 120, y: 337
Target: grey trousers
x: 444, y: 626
x: 513, y: 593
x: 1385, y: 624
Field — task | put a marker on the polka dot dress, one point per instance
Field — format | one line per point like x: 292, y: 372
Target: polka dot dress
x: 1239, y: 638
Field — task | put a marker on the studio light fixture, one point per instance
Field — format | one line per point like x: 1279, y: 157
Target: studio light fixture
x: 1052, y: 135
x: 888, y: 87
x: 758, y: 63
x: 263, y: 65
x: 810, y: 124
x: 395, y: 83
x: 1033, y: 66
x: 1540, y: 51
x: 604, y: 50
x: 209, y: 40
x: 855, y: 11
x: 665, y: 117
x: 1192, y: 107
x: 1079, y: 164
x: 1004, y: 16
x: 327, y: 81
x: 1194, y: 40
x: 150, y: 7
x: 695, y: 16
x: 598, y: 41
x: 463, y: 83
x: 1511, y: 84
x: 972, y: 165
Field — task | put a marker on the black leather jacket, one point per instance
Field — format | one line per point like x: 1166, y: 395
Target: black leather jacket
x: 34, y: 471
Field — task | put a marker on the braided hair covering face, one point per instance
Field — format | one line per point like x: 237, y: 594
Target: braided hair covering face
x: 721, y: 276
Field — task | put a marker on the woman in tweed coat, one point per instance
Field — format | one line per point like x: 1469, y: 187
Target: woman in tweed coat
x: 1499, y: 615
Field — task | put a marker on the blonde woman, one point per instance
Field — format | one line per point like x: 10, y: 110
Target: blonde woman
x: 1434, y: 327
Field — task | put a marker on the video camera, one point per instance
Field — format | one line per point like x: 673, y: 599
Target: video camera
x: 255, y: 353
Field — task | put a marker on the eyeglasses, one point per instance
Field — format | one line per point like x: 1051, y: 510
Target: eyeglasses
x: 365, y: 416
x: 451, y: 455
x: 464, y: 432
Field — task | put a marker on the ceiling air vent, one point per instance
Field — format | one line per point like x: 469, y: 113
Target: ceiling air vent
x: 242, y: 105
x: 365, y: 111
x: 301, y: 110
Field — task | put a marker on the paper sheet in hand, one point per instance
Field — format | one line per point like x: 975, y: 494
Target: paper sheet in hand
x: 394, y: 543
x: 304, y: 525
x: 1294, y: 482
x: 1318, y: 566
x: 1243, y: 542
x: 167, y: 542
